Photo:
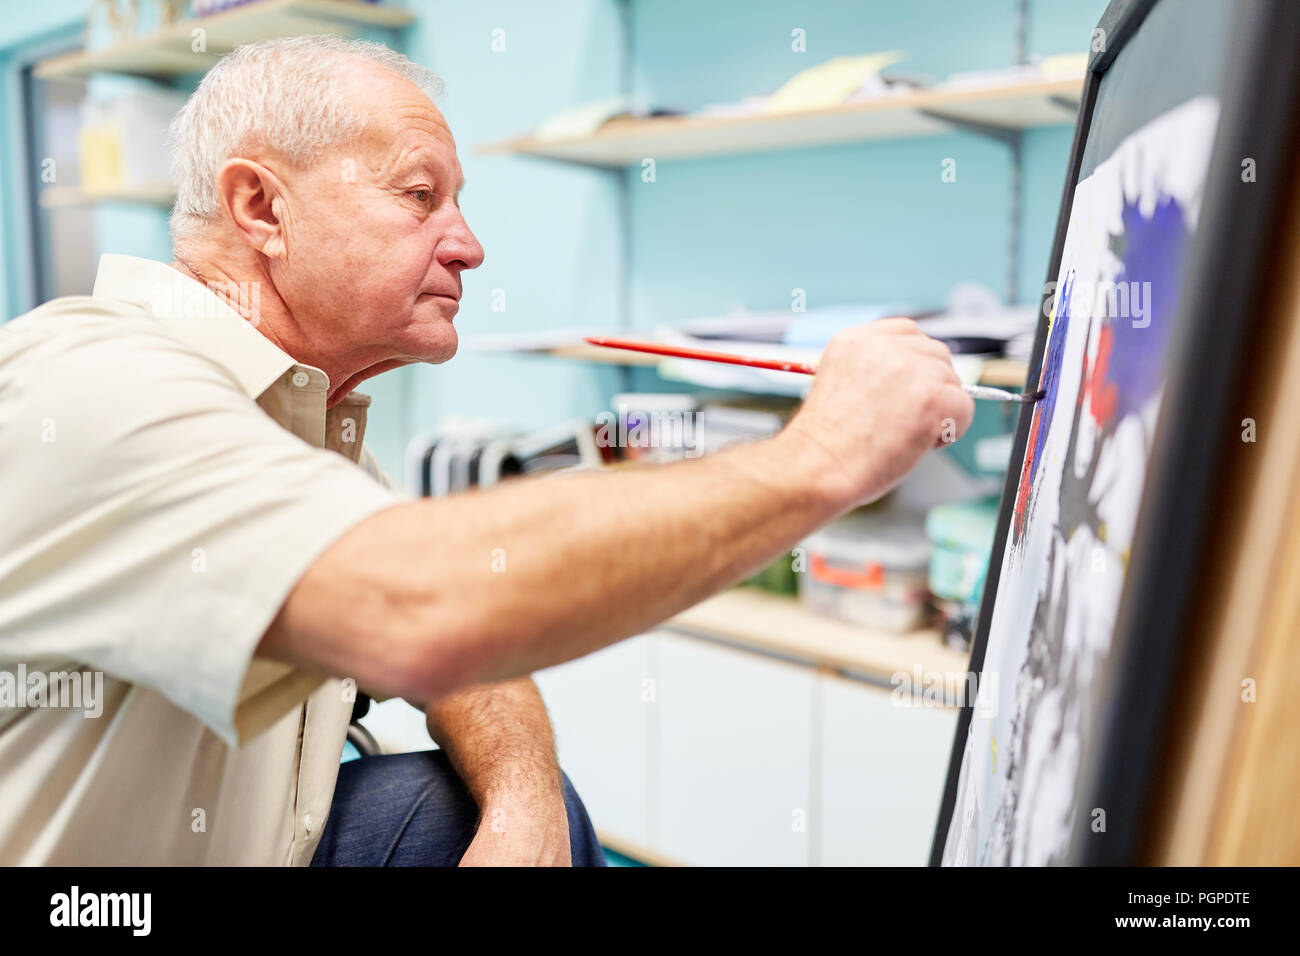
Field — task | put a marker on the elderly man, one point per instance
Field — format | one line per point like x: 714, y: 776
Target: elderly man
x: 184, y: 515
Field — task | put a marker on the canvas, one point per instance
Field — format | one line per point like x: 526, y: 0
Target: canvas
x: 1080, y: 486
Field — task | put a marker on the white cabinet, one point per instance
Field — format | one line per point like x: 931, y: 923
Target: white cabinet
x: 706, y: 754
x: 883, y: 771
x: 601, y: 708
x: 735, y: 766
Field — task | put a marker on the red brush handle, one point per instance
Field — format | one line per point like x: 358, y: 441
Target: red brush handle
x: 703, y: 355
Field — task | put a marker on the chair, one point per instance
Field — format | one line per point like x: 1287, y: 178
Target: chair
x: 361, y: 739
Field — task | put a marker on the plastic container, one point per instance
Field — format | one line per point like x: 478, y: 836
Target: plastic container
x: 778, y: 577
x: 962, y: 535
x: 869, y: 569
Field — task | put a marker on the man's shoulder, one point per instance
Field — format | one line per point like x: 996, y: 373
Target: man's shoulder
x: 75, y: 311
x: 101, y: 361
x: 77, y: 321
x: 123, y: 342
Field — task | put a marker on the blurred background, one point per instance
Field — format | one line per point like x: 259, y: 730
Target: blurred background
x: 748, y: 175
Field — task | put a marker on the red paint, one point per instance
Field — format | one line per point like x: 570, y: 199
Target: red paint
x: 1103, y: 396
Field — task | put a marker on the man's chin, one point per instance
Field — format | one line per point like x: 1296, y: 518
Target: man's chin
x: 438, y: 347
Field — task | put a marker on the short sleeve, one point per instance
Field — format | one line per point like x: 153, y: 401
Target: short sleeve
x: 154, y: 520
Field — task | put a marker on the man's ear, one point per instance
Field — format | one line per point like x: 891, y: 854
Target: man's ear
x: 253, y: 198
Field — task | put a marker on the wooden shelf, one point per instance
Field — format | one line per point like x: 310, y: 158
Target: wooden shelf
x: 58, y: 197
x: 922, y: 113
x: 168, y: 52
x: 584, y: 352
x: 765, y: 622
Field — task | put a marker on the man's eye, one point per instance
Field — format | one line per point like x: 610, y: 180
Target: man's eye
x: 421, y: 195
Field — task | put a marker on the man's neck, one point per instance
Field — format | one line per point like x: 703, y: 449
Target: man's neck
x: 269, y: 314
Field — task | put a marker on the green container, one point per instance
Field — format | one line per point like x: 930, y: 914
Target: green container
x: 962, y: 535
x: 777, y: 578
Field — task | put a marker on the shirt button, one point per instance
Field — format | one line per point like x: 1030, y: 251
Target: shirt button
x: 307, y: 822
x: 300, y: 379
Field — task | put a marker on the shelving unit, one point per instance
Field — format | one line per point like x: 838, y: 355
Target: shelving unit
x: 583, y: 352
x: 169, y: 52
x: 1007, y: 108
x: 1001, y: 111
x: 58, y: 197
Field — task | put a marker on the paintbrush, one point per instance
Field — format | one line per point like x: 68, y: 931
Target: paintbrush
x: 779, y: 365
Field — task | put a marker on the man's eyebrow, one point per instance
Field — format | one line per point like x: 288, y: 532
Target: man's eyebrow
x: 411, y: 165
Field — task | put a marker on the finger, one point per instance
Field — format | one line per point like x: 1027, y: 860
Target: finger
x: 943, y: 358
x: 953, y: 410
x: 958, y: 406
x: 893, y: 325
x: 940, y: 367
x: 934, y: 347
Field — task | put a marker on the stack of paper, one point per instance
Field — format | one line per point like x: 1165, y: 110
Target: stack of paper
x: 843, y: 79
x: 830, y: 83
x: 1045, y: 68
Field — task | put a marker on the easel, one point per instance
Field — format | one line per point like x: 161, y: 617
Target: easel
x: 1229, y: 790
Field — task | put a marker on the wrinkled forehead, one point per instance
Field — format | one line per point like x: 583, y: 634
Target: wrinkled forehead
x: 403, y: 125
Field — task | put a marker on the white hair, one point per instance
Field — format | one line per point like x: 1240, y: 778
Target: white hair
x: 282, y: 93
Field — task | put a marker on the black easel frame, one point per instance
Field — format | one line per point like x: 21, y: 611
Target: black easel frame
x: 1220, y: 308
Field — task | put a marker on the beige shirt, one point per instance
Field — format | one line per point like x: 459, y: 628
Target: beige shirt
x: 164, y: 483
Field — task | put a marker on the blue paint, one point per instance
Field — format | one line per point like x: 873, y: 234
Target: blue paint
x: 1154, y: 248
x: 1051, y: 377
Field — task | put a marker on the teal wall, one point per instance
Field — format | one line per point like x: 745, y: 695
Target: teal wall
x: 551, y: 232
x: 1045, y: 153
x: 567, y: 247
x: 1055, y: 26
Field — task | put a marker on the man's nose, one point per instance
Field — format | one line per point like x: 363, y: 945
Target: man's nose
x: 460, y: 247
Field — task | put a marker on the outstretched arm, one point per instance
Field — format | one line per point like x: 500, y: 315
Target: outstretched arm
x: 435, y: 595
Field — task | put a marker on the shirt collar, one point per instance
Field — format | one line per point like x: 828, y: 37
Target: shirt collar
x: 198, y: 316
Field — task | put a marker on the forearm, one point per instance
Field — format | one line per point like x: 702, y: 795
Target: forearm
x: 529, y: 575
x: 499, y: 740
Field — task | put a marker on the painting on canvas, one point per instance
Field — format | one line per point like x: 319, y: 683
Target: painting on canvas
x: 1068, y: 544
